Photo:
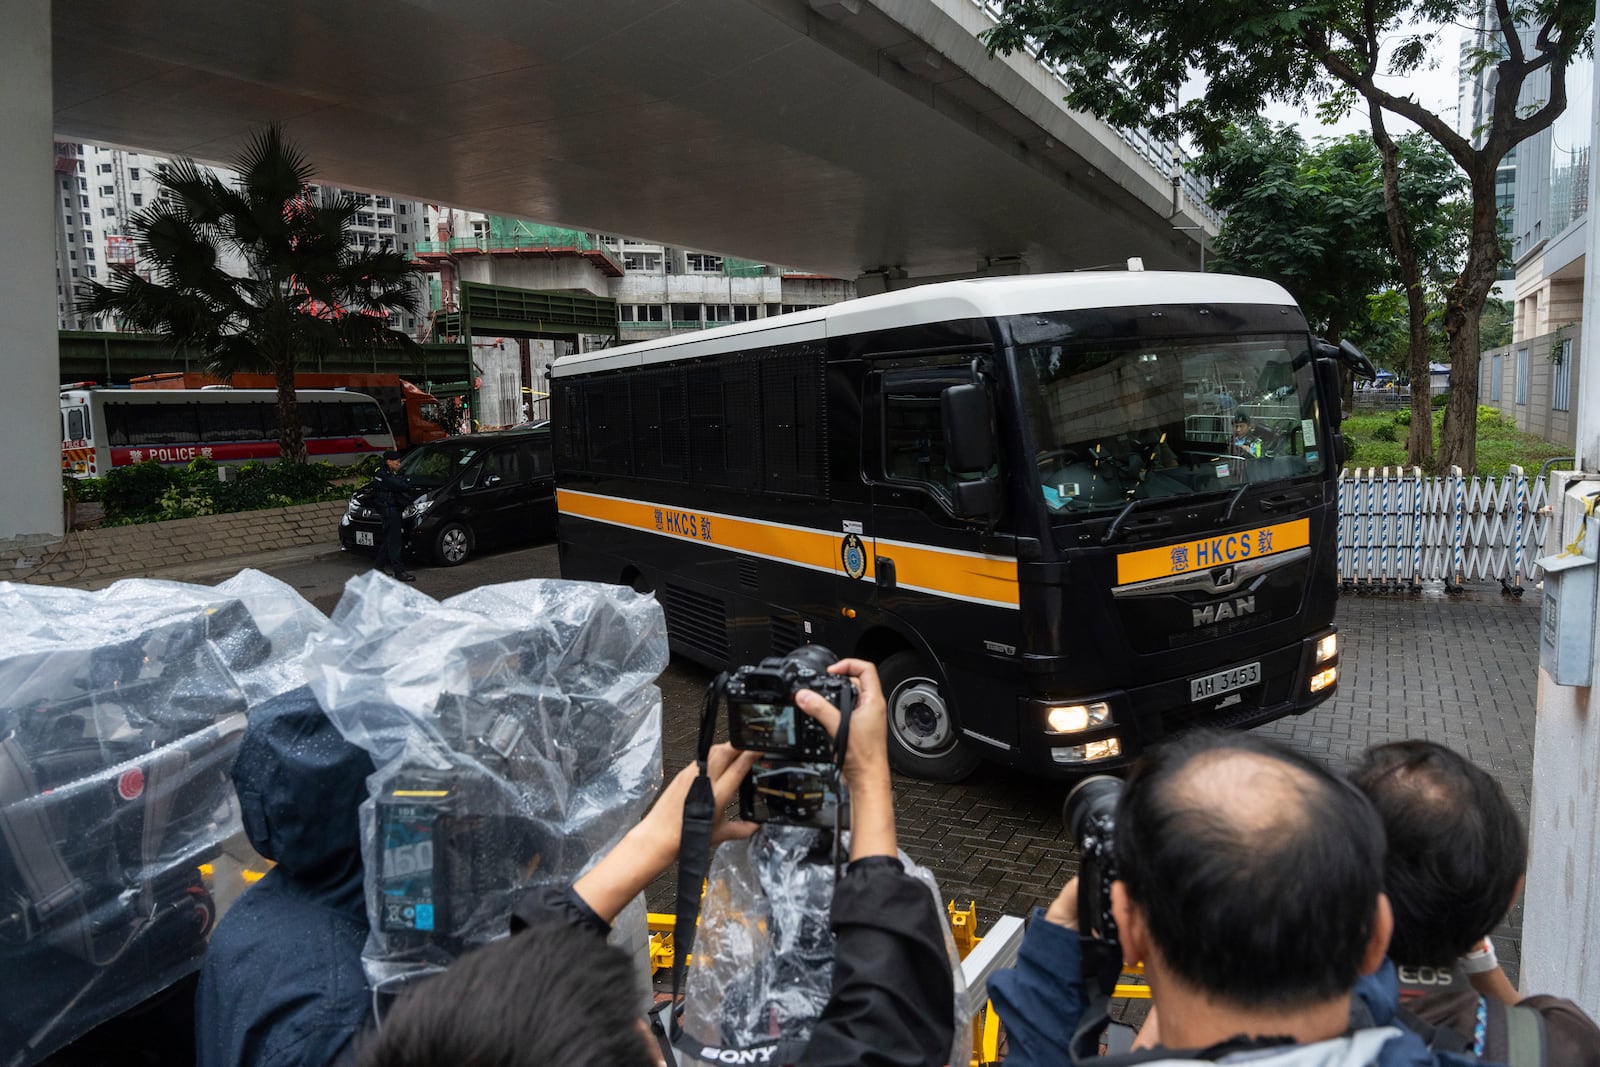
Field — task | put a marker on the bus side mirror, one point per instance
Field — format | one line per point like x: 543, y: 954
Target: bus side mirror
x: 969, y: 450
x: 974, y: 499
x: 1356, y: 360
x: 968, y: 442
x: 1328, y: 384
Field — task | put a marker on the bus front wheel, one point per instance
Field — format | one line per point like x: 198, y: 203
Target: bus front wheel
x: 923, y: 739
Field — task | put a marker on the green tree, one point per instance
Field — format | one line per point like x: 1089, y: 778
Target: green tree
x: 1315, y: 219
x: 1310, y: 220
x: 304, y: 291
x: 1129, y: 66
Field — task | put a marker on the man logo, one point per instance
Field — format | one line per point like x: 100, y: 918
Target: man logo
x: 1224, y: 610
x: 1222, y: 578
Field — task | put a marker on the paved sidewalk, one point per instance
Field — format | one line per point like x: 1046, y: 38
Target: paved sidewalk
x: 1458, y: 670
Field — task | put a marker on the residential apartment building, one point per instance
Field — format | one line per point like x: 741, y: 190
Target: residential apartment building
x: 659, y: 290
x: 101, y: 189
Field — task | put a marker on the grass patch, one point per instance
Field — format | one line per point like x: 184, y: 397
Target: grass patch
x: 1380, y: 441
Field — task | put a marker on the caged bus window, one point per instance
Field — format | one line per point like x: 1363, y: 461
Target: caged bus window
x: 255, y: 421
x: 661, y: 424
x: 151, y: 424
x: 735, y: 421
x: 609, y: 425
x: 791, y: 415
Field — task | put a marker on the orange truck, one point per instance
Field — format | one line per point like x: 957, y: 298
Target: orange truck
x: 413, y: 415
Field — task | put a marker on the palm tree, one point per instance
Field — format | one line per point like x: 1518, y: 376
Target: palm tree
x: 304, y: 291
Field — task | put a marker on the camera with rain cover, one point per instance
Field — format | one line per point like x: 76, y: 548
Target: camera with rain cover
x: 797, y: 780
x: 1090, y: 815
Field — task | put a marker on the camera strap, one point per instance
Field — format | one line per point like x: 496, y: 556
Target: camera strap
x: 1101, y: 963
x: 694, y: 849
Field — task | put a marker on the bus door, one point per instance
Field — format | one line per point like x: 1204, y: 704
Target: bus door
x: 935, y: 573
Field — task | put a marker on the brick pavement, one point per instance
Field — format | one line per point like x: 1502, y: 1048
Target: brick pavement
x: 1458, y: 670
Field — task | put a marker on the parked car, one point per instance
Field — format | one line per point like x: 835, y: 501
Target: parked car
x: 477, y: 491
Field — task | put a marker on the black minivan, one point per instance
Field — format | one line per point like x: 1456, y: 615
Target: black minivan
x: 475, y: 491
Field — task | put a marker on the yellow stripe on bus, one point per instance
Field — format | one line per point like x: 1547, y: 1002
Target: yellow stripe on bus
x: 967, y: 576
x: 1209, y: 552
x: 971, y: 577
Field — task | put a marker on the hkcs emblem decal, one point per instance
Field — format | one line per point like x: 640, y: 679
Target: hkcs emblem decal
x: 854, y: 556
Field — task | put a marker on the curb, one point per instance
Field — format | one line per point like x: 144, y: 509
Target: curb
x: 208, y: 571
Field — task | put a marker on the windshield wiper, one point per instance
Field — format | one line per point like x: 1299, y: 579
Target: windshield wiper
x: 1233, y: 502
x: 1128, y: 509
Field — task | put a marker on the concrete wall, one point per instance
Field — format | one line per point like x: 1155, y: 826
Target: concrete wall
x: 1537, y: 415
x: 90, y: 559
x: 534, y: 272
x: 30, y: 484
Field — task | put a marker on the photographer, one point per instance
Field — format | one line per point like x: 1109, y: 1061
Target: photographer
x: 281, y: 984
x: 1248, y: 880
x: 1453, y: 869
x: 892, y: 987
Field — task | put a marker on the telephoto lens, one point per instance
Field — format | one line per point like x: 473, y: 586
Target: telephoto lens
x: 1090, y: 815
x: 1091, y: 799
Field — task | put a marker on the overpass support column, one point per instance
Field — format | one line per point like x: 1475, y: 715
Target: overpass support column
x: 30, y: 457
x: 1561, y: 921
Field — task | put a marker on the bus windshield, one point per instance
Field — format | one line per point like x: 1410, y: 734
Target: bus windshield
x: 1116, y: 421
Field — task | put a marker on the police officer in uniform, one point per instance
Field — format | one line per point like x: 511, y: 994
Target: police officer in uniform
x: 392, y: 491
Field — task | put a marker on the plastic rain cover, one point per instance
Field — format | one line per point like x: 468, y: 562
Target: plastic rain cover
x: 120, y: 841
x: 516, y: 732
x: 762, y: 966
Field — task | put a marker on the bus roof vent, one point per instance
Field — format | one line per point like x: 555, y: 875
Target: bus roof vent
x: 1135, y: 263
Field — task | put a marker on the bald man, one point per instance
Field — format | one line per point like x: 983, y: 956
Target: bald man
x: 1249, y: 882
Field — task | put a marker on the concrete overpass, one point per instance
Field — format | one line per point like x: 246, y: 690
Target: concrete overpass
x: 859, y: 138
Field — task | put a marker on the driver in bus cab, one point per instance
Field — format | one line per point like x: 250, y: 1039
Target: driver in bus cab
x: 1246, y: 442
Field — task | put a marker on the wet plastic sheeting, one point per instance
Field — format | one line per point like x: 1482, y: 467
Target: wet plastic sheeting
x: 120, y: 714
x: 516, y: 730
x: 762, y: 966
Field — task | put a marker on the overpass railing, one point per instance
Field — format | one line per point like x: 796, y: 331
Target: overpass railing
x: 1161, y: 153
x: 1398, y: 529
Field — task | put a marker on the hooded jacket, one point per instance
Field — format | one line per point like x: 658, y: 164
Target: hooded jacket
x: 282, y: 982
x: 1041, y: 999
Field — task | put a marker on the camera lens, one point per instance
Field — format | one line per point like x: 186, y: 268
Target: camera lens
x: 816, y: 657
x: 1091, y: 798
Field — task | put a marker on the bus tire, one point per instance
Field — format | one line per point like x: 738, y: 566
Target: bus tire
x: 452, y: 544
x: 924, y: 741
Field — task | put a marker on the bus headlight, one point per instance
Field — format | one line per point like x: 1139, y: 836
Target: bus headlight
x: 1323, y: 679
x: 1072, y: 718
x: 1090, y: 753
x: 417, y: 507
x: 1327, y: 648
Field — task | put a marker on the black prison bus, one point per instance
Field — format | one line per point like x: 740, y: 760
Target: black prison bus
x: 1026, y: 499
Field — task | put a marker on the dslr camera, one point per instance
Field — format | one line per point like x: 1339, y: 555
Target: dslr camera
x: 1090, y: 815
x: 796, y: 782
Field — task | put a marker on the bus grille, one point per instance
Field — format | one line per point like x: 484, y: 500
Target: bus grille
x: 696, y: 621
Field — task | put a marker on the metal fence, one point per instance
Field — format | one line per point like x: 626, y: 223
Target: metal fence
x: 1398, y: 529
